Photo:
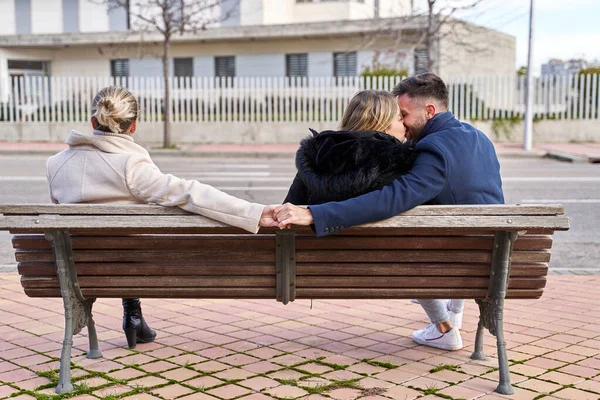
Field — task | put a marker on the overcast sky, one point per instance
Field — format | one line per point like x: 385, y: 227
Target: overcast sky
x: 562, y: 28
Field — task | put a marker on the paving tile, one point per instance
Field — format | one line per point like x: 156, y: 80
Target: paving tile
x: 589, y: 385
x: 575, y: 394
x: 259, y: 383
x: 114, y: 390
x: 461, y: 392
x: 287, y: 392
x: 180, y: 374
x: 158, y: 366
x: 404, y: 393
x: 262, y: 367
x: 396, y: 376
x: 228, y: 391
x: 32, y: 384
x: 286, y: 374
x: 539, y: 386
x: 187, y: 359
x: 344, y: 394
x: 204, y: 382
x: 365, y: 368
x: 561, y: 378
x: 148, y: 381
x: 314, y: 368
x: 371, y: 383
x: 141, y: 396
x: 211, y: 366
x: 6, y: 391
x: 234, y: 374
x: 238, y: 359
x: 172, y: 391
x: 579, y: 370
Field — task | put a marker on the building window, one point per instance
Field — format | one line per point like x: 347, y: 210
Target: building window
x: 344, y: 64
x: 296, y: 65
x: 28, y: 67
x: 183, y: 66
x: 225, y: 66
x: 119, y: 68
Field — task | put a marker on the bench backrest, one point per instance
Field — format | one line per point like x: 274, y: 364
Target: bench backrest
x: 150, y: 251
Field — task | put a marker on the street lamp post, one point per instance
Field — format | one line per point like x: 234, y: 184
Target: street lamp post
x: 528, y: 136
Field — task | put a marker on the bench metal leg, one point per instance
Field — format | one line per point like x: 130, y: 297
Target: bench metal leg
x: 78, y: 310
x: 501, y: 259
x: 94, y: 351
x: 492, y: 307
x: 478, y: 353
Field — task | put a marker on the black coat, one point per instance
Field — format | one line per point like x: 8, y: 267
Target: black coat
x: 335, y: 166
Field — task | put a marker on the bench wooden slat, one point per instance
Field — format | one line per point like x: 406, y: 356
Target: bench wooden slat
x: 269, y: 281
x: 196, y: 223
x: 302, y: 256
x: 147, y: 209
x: 310, y: 269
x: 182, y: 242
x: 123, y: 255
x: 302, y: 293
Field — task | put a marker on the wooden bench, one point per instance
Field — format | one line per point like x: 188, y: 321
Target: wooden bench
x: 82, y: 252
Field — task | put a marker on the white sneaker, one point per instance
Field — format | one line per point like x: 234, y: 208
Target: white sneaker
x: 432, y: 337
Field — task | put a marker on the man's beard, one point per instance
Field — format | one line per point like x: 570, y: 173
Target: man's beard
x: 416, y: 131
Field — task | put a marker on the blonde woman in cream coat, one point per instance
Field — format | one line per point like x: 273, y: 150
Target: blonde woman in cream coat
x: 109, y: 167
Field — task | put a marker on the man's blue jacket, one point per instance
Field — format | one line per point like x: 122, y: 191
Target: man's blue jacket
x: 455, y: 164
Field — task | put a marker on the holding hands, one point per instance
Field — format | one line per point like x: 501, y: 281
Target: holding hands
x: 283, y: 216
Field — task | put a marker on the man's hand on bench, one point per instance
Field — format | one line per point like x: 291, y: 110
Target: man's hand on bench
x: 288, y: 214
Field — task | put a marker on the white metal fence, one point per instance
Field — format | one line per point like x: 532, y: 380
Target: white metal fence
x: 279, y: 99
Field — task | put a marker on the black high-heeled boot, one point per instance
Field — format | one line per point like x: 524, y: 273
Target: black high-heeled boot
x: 134, y: 325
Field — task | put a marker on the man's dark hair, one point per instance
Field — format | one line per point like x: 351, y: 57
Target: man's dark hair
x: 426, y: 85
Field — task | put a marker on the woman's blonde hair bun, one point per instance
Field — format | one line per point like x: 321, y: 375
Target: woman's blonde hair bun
x: 115, y: 109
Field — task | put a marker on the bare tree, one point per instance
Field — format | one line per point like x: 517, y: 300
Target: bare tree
x: 435, y: 20
x: 173, y: 18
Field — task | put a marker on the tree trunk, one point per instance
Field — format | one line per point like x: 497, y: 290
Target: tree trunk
x: 429, y: 36
x: 167, y: 104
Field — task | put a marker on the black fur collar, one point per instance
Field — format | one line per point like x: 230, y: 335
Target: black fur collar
x: 336, y: 165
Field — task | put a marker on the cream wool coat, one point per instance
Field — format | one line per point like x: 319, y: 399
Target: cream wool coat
x: 112, y: 168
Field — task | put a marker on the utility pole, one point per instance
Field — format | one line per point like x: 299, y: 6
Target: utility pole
x: 528, y: 136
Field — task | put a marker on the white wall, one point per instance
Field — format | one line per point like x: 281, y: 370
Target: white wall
x: 92, y: 17
x: 251, y: 12
x: 46, y: 16
x: 7, y: 17
x: 204, y: 66
x: 146, y: 67
x: 320, y: 63
x: 394, y: 8
x: 260, y: 65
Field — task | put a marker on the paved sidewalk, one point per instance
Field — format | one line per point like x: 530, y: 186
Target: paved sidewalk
x: 262, y: 350
x: 564, y: 151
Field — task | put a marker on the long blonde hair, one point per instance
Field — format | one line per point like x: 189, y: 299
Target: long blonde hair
x: 114, y: 109
x: 370, y: 110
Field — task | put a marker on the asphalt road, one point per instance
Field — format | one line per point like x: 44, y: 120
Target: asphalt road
x: 266, y: 180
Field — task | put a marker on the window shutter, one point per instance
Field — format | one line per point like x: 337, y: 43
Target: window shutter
x: 183, y: 66
x: 225, y: 66
x: 119, y: 68
x: 344, y: 64
x: 296, y: 65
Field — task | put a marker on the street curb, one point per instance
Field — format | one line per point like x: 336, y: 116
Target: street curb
x: 555, y: 155
x: 522, y: 154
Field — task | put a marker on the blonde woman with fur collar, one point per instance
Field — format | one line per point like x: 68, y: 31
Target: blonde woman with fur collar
x: 109, y: 167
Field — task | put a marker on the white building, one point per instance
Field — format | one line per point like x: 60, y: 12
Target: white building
x: 259, y: 38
